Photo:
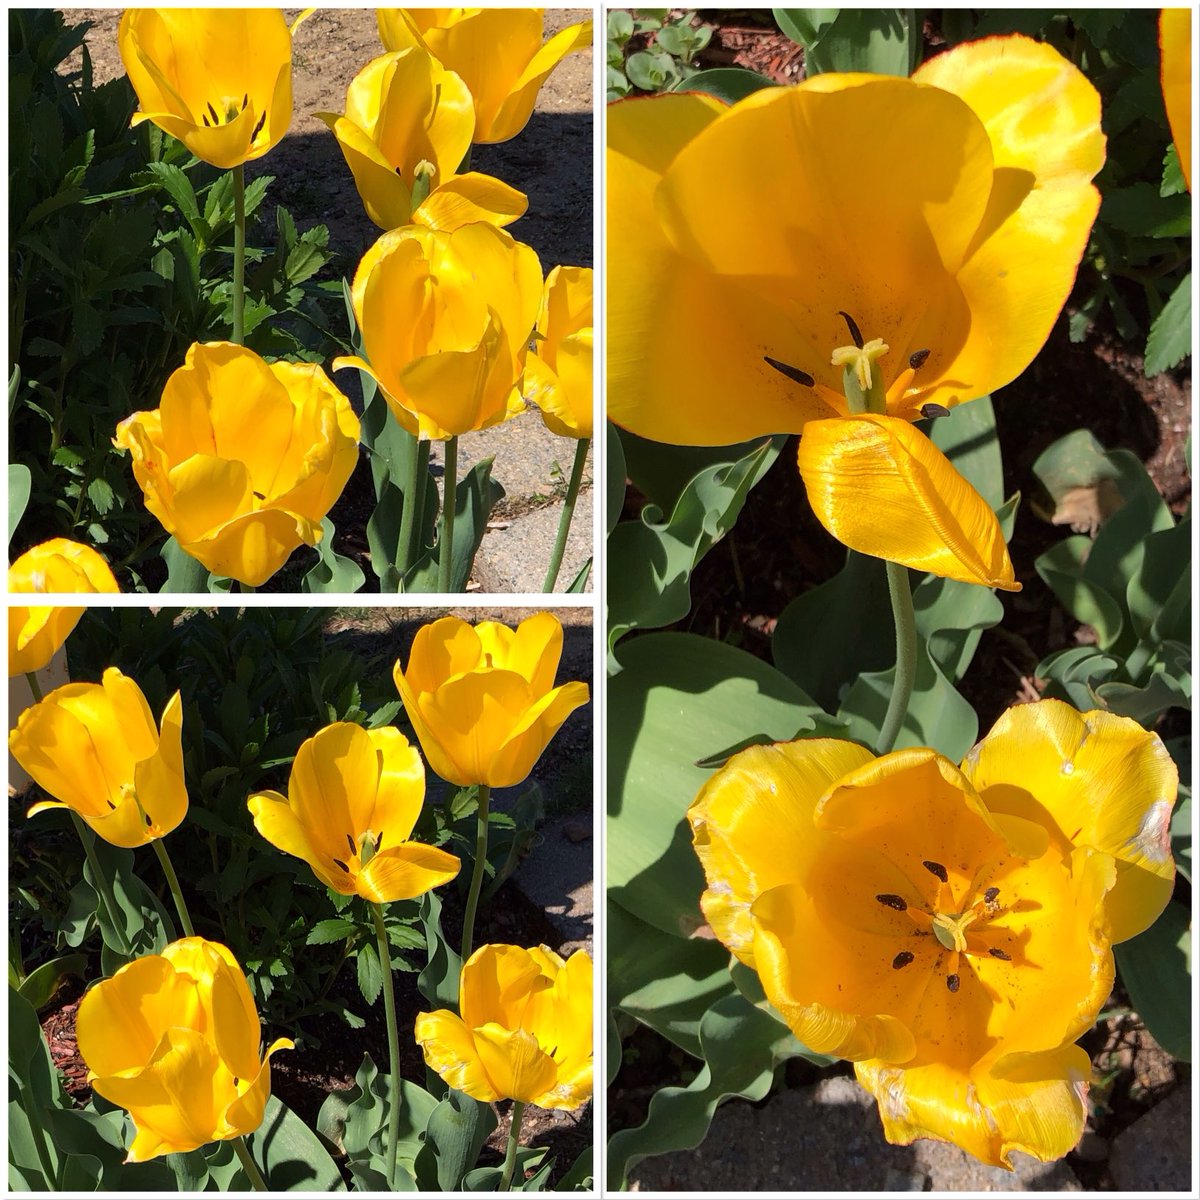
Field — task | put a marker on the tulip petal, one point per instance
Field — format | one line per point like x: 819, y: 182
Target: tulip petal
x: 1175, y: 41
x: 278, y: 823
x: 533, y: 649
x: 449, y: 1049
x: 533, y: 733
x: 407, y: 421
x: 403, y: 872
x: 498, y: 984
x: 514, y: 1062
x: 245, y: 1114
x: 334, y: 776
x: 881, y: 487
x: 252, y: 547
x: 441, y: 650
x: 385, y: 196
x: 469, y: 198
x: 158, y: 779
x: 752, y: 824
x: 1093, y: 779
x: 395, y: 804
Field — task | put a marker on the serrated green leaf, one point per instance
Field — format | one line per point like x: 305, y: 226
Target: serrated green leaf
x: 1170, y: 339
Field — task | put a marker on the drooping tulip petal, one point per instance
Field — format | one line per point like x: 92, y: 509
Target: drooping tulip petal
x: 218, y: 79
x: 498, y: 52
x: 943, y: 928
x: 406, y: 114
x: 881, y: 487
x: 37, y: 632
x: 1175, y: 42
x: 525, y: 1032
x: 558, y: 376
x: 96, y: 749
x: 353, y: 797
x: 174, y: 1039
x: 483, y: 705
x: 1093, y: 779
x: 243, y: 459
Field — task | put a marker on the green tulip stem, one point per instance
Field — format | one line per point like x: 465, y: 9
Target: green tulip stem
x: 477, y: 872
x: 446, y: 541
x: 243, y: 1151
x: 564, y: 521
x: 34, y: 686
x: 389, y: 1009
x: 239, y: 254
x: 103, y: 883
x: 414, y: 502
x: 514, y: 1141
x: 906, y: 655
x: 173, y: 883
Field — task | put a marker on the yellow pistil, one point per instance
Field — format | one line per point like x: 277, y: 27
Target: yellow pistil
x: 950, y: 929
x: 860, y: 358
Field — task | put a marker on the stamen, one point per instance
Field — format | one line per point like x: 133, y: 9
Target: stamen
x: 952, y: 982
x: 996, y: 952
x: 932, y: 411
x: 110, y: 804
x: 258, y: 128
x: 935, y: 868
x: 793, y: 373
x: 855, y: 334
x: 216, y: 119
x: 207, y: 122
x: 350, y: 843
x: 399, y: 172
x: 245, y: 100
x: 890, y: 901
x: 337, y: 862
x: 917, y: 359
x: 989, y: 897
x: 259, y: 496
x: 149, y: 822
x: 236, y: 1081
x: 902, y: 959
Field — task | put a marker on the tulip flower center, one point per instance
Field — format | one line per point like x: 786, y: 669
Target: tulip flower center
x: 859, y: 359
x: 229, y: 109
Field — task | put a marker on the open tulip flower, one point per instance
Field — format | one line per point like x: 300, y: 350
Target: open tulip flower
x: 498, y: 53
x: 445, y: 319
x: 525, y: 1029
x: 242, y: 459
x: 96, y: 749
x: 843, y: 257
x: 218, y: 79
x: 353, y: 798
x: 482, y: 698
x: 1175, y: 41
x: 35, y: 633
x: 558, y: 375
x: 406, y: 129
x: 947, y: 928
x: 174, y: 1039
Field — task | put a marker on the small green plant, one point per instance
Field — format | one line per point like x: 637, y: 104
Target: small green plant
x: 668, y: 59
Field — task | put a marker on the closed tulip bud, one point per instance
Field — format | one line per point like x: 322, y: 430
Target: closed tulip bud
x: 482, y: 698
x: 353, y: 798
x: 498, y: 52
x: 36, y: 633
x: 558, y: 375
x: 218, y: 79
x: 525, y: 1032
x: 174, y: 1039
x: 96, y: 749
x: 445, y: 319
x: 407, y: 127
x: 242, y: 459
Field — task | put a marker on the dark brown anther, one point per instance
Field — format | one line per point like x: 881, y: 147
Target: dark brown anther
x: 952, y: 983
x: 793, y: 373
x: 149, y: 822
x: 337, y: 862
x: 258, y: 128
x: 902, y: 959
x: 996, y: 952
x: 259, y: 496
x: 935, y: 868
x: 890, y: 901
x: 399, y: 172
x: 207, y: 122
x: 917, y: 359
x: 853, y: 327
x: 350, y: 843
x: 236, y: 1081
x: 932, y: 411
x: 989, y: 897
x: 246, y: 100
x: 216, y: 119
x: 110, y: 804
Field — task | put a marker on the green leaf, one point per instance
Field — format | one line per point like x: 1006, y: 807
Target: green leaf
x: 40, y: 985
x: 20, y: 483
x: 34, y: 1087
x: 652, y: 72
x: 179, y: 188
x: 1062, y: 570
x: 615, y: 494
x: 1173, y: 182
x: 730, y: 84
x: 878, y: 41
x: 438, y: 982
x: 1181, y: 837
x: 1139, y: 210
x: 579, y: 584
x: 1170, y: 339
x: 677, y: 699
x: 291, y: 1157
x: 455, y: 1134
x: 100, y: 493
x: 184, y: 573
x: 335, y: 929
x: 332, y: 572
x: 1156, y: 969
x: 370, y: 976
x: 579, y: 1177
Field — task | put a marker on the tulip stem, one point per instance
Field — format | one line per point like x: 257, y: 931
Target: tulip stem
x: 247, y: 1160
x: 239, y: 254
x: 514, y: 1142
x: 103, y: 884
x: 449, y: 490
x: 389, y: 1009
x: 32, y: 1110
x: 410, y: 513
x: 173, y: 883
x: 906, y: 655
x: 34, y: 686
x: 481, y: 844
x: 564, y: 521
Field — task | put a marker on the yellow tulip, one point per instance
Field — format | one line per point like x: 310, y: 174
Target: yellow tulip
x: 35, y: 633
x: 96, y: 748
x: 482, y: 698
x: 218, y: 79
x: 353, y: 797
x: 525, y: 1032
x: 945, y: 214
x: 174, y: 1039
x: 498, y: 53
x: 558, y: 376
x: 243, y: 459
x: 445, y: 319
x: 948, y: 929
x: 1175, y: 42
x: 406, y: 129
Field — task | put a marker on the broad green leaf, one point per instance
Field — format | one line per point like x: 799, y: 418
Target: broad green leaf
x: 677, y: 699
x: 615, y: 497
x: 454, y: 1135
x: 579, y: 1177
x: 1158, y: 595
x: 20, y: 482
x: 34, y: 1087
x: 438, y: 982
x: 476, y: 495
x: 332, y: 572
x: 184, y: 573
x: 40, y: 985
x: 1062, y: 569
x: 1156, y: 968
x: 290, y: 1156
x: 1170, y: 339
x: 968, y: 438
x: 1181, y: 837
x: 730, y: 84
x: 879, y: 41
x: 1139, y: 210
